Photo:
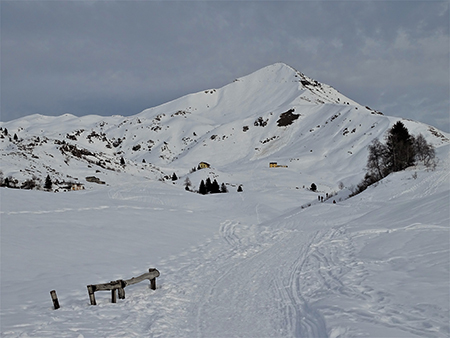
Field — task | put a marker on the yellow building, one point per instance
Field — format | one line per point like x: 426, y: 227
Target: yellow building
x: 203, y: 165
x: 276, y: 165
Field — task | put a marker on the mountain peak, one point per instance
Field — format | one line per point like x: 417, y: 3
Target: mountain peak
x: 274, y: 71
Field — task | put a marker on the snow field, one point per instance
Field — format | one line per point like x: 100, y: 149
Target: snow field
x: 247, y: 265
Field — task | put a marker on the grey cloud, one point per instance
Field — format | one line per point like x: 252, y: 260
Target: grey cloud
x: 119, y: 57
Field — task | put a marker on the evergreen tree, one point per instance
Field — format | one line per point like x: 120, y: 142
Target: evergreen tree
x: 202, y: 189
x: 48, y: 183
x: 215, y: 188
x: 174, y: 177
x: 208, y: 185
x: 122, y: 161
x: 239, y: 189
x: 400, y: 148
x: 223, y: 188
x: 313, y: 187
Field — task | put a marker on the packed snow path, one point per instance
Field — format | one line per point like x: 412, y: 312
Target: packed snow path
x: 375, y: 265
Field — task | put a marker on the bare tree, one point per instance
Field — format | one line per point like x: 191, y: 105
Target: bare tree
x: 376, y: 161
x: 424, y: 151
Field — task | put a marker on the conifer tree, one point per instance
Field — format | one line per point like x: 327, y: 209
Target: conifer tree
x: 202, y: 189
x: 223, y: 188
x: 208, y: 185
x: 215, y: 188
x: 400, y: 148
x: 48, y: 183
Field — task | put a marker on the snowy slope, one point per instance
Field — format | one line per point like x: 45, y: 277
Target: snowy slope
x: 271, y: 261
x: 255, y: 264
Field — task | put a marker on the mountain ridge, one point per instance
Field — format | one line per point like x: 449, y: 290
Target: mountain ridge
x: 273, y: 114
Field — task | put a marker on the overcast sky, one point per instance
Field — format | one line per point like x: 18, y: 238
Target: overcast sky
x: 121, y: 57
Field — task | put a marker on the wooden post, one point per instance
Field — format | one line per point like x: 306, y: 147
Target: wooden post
x: 54, y: 299
x: 153, y: 280
x: 121, y: 293
x: 113, y: 296
x: 91, y: 290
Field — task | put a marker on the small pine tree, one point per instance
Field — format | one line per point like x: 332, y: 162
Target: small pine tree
x: 313, y: 187
x: 122, y: 161
x: 239, y: 189
x: 187, y: 183
x: 202, y: 189
x: 223, y: 188
x: 174, y: 177
x: 48, y: 183
x: 15, y: 137
x: 208, y: 185
x: 215, y: 188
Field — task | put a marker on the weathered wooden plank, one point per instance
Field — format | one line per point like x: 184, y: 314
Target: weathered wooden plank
x: 113, y: 285
x: 152, y: 274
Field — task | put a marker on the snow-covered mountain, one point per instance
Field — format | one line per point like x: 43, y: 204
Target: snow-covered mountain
x: 275, y: 114
x: 271, y: 261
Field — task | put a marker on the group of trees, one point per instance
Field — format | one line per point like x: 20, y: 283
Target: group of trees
x: 208, y: 187
x: 400, y: 151
x: 28, y: 184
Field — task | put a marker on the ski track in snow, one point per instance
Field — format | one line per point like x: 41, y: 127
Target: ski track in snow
x: 103, y: 207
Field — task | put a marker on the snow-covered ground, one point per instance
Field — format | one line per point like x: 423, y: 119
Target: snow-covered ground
x: 254, y: 264
x: 271, y: 261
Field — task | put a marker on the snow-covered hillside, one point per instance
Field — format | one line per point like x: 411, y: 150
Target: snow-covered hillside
x: 275, y: 114
x: 271, y: 261
x: 252, y: 264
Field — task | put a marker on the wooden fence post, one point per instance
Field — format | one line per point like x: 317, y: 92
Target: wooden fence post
x: 121, y: 293
x: 113, y: 296
x: 121, y: 284
x: 54, y: 299
x: 91, y: 291
x: 153, y: 280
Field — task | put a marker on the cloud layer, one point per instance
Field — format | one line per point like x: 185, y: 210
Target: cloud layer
x: 108, y: 57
